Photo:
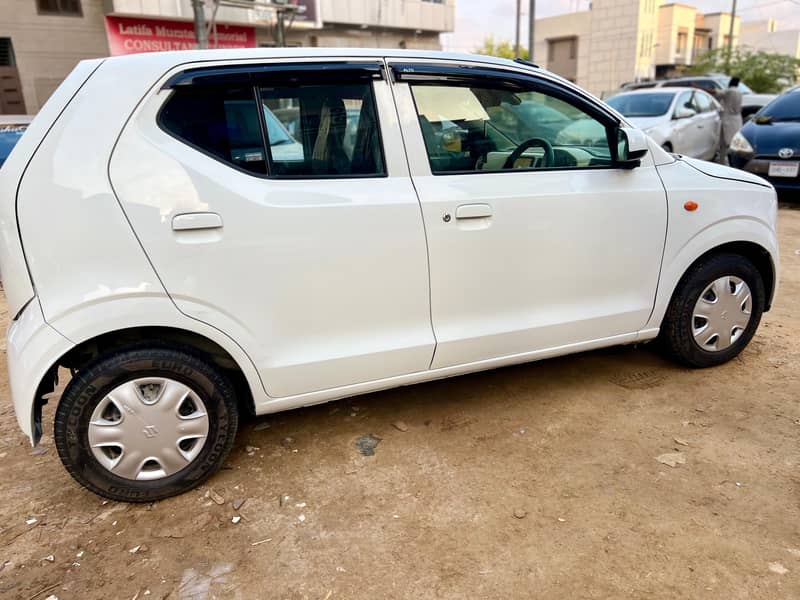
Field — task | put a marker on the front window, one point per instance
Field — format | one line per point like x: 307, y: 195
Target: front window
x: 642, y: 105
x: 475, y: 128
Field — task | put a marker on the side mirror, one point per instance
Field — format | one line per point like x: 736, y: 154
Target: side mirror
x: 631, y: 147
x: 684, y: 112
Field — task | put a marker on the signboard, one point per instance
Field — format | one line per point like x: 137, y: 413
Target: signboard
x: 127, y: 35
x: 310, y: 14
x: 307, y: 18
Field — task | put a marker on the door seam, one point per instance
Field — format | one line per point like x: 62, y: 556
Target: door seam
x: 390, y: 83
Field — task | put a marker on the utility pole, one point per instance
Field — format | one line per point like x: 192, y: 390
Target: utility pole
x: 280, y: 28
x: 730, y: 40
x: 200, y: 33
x: 532, y: 20
x: 516, y: 29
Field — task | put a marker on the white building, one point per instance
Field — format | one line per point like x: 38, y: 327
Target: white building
x: 617, y: 41
x: 766, y: 36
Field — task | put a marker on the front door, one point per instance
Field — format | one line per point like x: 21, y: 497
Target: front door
x: 309, y: 251
x: 536, y: 239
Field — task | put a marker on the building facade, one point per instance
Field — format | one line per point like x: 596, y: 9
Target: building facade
x: 618, y: 41
x: 42, y: 40
x: 766, y: 36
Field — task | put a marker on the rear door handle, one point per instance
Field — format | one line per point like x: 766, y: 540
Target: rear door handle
x: 201, y: 220
x: 473, y: 211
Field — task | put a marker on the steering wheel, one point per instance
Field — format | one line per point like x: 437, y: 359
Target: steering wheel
x: 549, y: 159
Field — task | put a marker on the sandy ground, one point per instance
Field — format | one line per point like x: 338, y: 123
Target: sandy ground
x: 534, y: 481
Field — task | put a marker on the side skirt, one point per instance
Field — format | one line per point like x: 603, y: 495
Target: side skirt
x: 300, y: 400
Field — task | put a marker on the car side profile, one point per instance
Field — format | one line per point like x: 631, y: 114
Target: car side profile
x: 714, y: 85
x: 188, y: 259
x: 681, y: 120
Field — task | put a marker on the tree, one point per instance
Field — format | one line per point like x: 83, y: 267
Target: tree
x: 502, y: 49
x: 764, y: 72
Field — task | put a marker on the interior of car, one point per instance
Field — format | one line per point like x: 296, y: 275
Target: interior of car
x: 486, y: 129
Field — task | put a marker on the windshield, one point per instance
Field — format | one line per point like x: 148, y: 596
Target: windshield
x: 9, y: 136
x: 642, y: 105
x: 783, y: 108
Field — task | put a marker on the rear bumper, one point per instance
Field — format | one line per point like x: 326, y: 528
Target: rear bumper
x: 760, y: 166
x: 33, y: 348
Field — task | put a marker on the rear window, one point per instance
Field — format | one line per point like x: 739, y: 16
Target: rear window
x: 220, y: 122
x: 309, y: 131
x: 642, y: 105
x: 9, y: 136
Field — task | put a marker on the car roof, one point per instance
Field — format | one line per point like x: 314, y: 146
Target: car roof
x: 658, y: 90
x: 188, y: 56
x: 6, y: 120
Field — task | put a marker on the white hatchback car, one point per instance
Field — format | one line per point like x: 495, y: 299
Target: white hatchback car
x: 682, y: 120
x: 159, y: 244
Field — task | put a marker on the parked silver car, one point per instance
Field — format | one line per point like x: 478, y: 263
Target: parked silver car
x: 681, y: 120
x: 714, y: 84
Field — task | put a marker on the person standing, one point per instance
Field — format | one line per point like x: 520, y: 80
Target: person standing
x: 731, y: 113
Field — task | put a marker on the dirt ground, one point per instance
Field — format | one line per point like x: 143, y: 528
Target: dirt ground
x: 534, y: 481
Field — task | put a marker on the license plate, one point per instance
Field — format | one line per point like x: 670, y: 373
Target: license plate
x: 784, y: 169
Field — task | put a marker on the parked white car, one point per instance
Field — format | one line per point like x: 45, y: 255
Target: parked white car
x: 185, y: 272
x: 681, y: 120
x: 714, y: 84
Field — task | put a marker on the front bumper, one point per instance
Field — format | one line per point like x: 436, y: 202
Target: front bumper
x: 33, y: 349
x: 759, y: 165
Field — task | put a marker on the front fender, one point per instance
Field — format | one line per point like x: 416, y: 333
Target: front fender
x: 728, y: 212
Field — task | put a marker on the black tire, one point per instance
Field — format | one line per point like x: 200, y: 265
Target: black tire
x: 97, y: 379
x: 676, y: 329
x: 667, y: 147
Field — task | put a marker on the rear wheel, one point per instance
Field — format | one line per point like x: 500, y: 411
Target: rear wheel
x: 667, y: 146
x: 144, y: 424
x: 714, y: 311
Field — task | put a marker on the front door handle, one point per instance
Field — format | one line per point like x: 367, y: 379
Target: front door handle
x: 473, y: 211
x: 201, y: 220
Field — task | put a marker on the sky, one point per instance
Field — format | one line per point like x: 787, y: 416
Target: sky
x: 476, y: 19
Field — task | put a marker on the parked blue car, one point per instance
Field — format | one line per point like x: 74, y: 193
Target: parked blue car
x: 769, y: 144
x: 11, y: 129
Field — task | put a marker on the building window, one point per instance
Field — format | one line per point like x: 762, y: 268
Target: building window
x: 7, y: 58
x: 573, y: 48
x: 59, y: 7
x: 681, y: 46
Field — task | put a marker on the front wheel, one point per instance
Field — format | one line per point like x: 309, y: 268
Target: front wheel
x: 714, y: 312
x: 144, y: 424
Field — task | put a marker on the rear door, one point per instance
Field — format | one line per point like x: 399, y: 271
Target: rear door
x: 309, y: 251
x: 530, y: 250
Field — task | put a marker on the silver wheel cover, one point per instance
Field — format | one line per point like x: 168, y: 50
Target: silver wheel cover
x: 148, y: 428
x: 722, y: 313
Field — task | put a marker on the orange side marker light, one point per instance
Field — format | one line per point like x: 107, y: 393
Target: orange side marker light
x: 690, y: 205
